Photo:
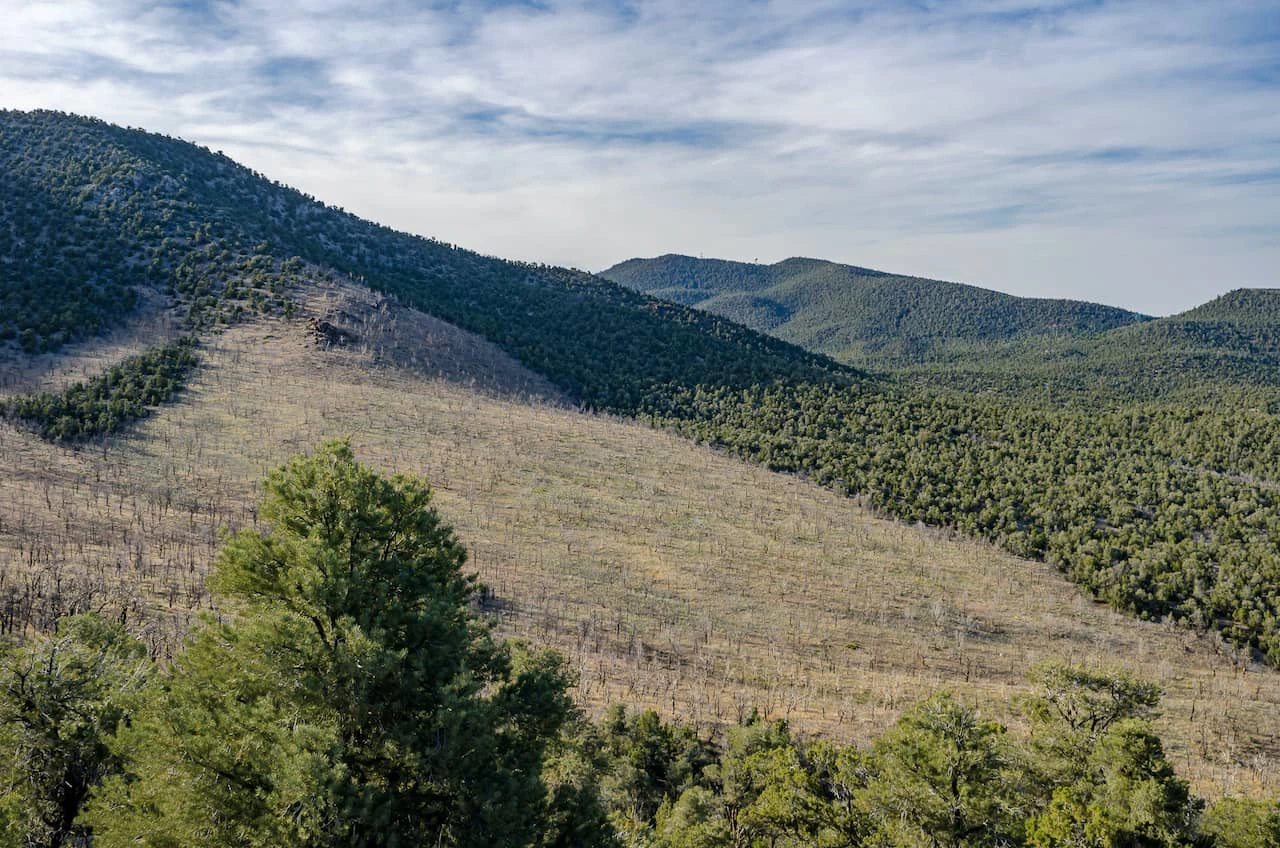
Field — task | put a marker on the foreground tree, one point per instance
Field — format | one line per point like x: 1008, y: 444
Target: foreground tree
x: 1243, y: 823
x: 61, y: 699
x: 353, y: 701
x: 1071, y: 710
x: 1128, y: 796
x: 941, y: 772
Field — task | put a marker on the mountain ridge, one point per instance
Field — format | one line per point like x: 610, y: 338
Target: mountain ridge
x: 947, y: 335
x: 1088, y: 489
x: 844, y: 310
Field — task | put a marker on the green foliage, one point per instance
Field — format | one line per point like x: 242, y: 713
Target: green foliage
x: 577, y: 815
x: 356, y: 701
x: 1087, y: 701
x: 1116, y: 500
x: 61, y: 699
x: 650, y: 761
x: 1164, y: 510
x: 953, y: 337
x: 944, y: 777
x: 1243, y: 823
x: 939, y: 777
x: 108, y: 403
x: 759, y: 792
x: 1128, y: 796
x: 90, y: 214
x: 1071, y: 708
x: 863, y: 317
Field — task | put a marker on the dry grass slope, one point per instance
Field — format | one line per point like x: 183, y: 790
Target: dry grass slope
x: 670, y: 575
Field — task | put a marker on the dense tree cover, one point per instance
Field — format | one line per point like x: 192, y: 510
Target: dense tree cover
x: 856, y: 314
x: 1171, y: 361
x: 209, y: 227
x: 1241, y: 822
x: 944, y: 777
x: 61, y: 700
x: 1164, y: 510
x: 948, y: 336
x: 1144, y: 526
x: 86, y: 223
x: 111, y: 401
x: 80, y: 724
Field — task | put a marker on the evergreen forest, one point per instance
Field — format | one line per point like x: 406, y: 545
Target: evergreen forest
x: 351, y: 690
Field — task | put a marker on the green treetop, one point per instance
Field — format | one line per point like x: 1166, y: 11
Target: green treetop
x: 353, y: 701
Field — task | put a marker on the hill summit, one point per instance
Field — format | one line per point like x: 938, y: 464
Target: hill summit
x: 851, y: 312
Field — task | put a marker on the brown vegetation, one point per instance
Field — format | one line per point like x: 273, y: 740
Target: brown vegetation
x: 670, y: 575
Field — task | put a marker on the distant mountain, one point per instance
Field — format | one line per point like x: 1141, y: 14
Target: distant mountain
x: 964, y: 338
x: 1245, y: 307
x: 859, y: 314
x: 1163, y: 512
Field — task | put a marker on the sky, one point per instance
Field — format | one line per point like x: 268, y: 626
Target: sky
x: 1123, y: 152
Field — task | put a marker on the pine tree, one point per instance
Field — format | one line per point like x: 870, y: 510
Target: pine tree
x: 939, y: 778
x: 61, y: 699
x: 354, y: 699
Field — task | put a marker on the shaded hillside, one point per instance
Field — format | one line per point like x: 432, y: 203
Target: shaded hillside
x: 856, y: 313
x: 226, y: 241
x: 1224, y: 352
x: 1158, y: 525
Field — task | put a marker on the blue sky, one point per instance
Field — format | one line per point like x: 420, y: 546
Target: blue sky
x: 1127, y: 152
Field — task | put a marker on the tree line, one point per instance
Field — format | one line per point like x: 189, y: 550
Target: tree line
x: 124, y: 393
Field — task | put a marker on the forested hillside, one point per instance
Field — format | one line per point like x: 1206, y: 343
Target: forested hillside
x: 224, y: 241
x: 1156, y: 523
x: 349, y: 694
x: 856, y: 314
x: 948, y: 336
x: 352, y: 666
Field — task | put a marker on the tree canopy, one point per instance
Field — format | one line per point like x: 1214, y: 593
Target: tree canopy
x: 354, y: 700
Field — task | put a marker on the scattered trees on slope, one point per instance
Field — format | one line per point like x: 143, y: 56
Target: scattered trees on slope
x: 350, y: 696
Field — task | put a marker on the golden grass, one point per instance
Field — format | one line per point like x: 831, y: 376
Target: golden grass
x: 670, y: 575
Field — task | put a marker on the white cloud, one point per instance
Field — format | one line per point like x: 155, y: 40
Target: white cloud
x: 1122, y: 151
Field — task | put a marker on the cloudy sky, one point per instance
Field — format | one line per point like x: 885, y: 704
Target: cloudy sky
x: 1127, y: 152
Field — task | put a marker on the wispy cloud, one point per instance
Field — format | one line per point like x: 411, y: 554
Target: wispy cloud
x: 1121, y: 151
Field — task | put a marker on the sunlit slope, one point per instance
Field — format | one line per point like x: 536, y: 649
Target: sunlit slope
x: 954, y: 336
x: 1156, y: 523
x: 670, y: 575
x: 859, y: 314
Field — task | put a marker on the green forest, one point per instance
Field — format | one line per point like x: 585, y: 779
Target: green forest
x: 352, y: 693
x: 125, y: 393
x: 861, y: 315
x: 1164, y: 507
x: 962, y: 339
